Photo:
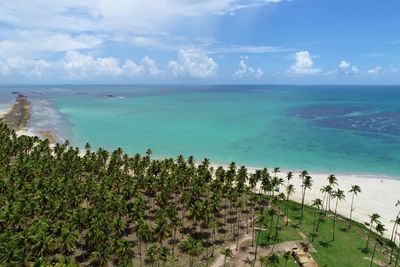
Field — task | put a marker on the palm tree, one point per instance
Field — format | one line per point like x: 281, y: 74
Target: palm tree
x: 398, y: 216
x: 124, y: 251
x: 193, y: 248
x: 332, y: 180
x: 264, y: 260
x: 273, y: 259
x: 227, y: 254
x: 374, y: 218
x: 339, y: 195
x: 355, y: 189
x: 380, y: 229
x: 164, y: 254
x: 101, y: 256
x: 327, y: 191
x: 318, y: 204
x: 393, y: 246
x: 152, y: 254
x: 306, y: 184
x: 286, y: 256
x: 289, y: 191
x: 68, y: 240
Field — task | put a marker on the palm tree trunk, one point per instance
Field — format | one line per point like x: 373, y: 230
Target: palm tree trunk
x: 334, y: 220
x: 276, y: 227
x: 397, y: 257
x: 373, y: 254
x: 351, y: 210
x: 252, y: 232
x: 270, y: 228
x: 302, y: 205
x: 369, y: 233
x: 255, y: 253
x: 140, y: 252
x: 287, y: 210
x: 323, y: 201
x: 247, y: 222
x: 394, y: 226
x: 173, y: 247
x: 313, y: 228
x: 238, y: 229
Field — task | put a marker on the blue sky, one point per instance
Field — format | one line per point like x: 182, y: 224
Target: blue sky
x: 200, y: 41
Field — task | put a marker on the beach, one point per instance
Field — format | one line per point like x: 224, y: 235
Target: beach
x: 378, y: 194
x: 17, y: 115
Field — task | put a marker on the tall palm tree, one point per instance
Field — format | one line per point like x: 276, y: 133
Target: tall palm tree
x: 264, y: 261
x: 355, y: 189
x: 318, y: 204
x: 227, y: 252
x: 193, y: 248
x: 374, y: 218
x: 339, y: 195
x: 289, y: 191
x: 380, y: 229
x: 332, y: 181
x: 306, y: 184
x: 286, y: 256
x: 327, y: 191
x: 273, y: 259
x: 398, y: 216
x: 152, y: 254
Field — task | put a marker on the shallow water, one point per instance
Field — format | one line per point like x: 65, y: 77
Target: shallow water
x: 345, y: 129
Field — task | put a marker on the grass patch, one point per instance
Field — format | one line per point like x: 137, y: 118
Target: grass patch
x: 346, y: 250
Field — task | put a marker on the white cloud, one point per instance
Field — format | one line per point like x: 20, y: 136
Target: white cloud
x: 20, y: 67
x: 374, y: 71
x: 78, y: 65
x: 245, y: 71
x: 24, y: 42
x: 193, y: 63
x: 111, y: 15
x: 347, y: 68
x: 344, y: 65
x: 304, y: 64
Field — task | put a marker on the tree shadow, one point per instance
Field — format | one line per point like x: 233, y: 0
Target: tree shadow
x: 325, y: 244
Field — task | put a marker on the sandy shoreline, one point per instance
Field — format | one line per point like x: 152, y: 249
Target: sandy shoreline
x: 17, y: 116
x: 379, y: 194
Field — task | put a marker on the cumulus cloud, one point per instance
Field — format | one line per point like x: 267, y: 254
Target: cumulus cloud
x: 193, y: 63
x: 78, y: 65
x: 304, y: 64
x: 347, y: 68
x: 75, y: 66
x: 374, y: 71
x: 245, y: 71
x: 21, y: 67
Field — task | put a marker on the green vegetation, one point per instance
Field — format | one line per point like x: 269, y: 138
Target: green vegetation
x: 60, y: 208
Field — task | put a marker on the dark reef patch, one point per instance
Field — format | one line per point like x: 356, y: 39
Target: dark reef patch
x: 364, y: 119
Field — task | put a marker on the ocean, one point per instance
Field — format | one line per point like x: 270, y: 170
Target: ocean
x: 329, y: 129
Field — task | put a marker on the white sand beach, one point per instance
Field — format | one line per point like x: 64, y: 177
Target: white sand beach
x: 377, y: 195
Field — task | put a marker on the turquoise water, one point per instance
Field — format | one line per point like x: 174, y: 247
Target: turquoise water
x: 341, y: 129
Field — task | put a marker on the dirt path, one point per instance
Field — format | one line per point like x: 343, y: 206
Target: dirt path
x: 219, y: 261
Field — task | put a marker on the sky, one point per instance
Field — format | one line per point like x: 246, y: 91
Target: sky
x: 200, y: 41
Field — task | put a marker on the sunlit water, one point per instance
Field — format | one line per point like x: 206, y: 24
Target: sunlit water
x: 341, y: 129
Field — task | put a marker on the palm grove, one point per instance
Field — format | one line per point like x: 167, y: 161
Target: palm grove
x: 60, y: 208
